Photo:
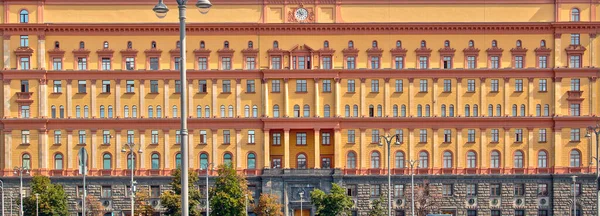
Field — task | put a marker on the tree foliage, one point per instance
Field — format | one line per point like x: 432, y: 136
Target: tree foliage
x: 230, y: 193
x: 143, y: 206
x: 171, y: 200
x: 268, y: 205
x: 377, y: 208
x: 52, y: 198
x: 334, y: 203
x: 425, y: 199
x: 93, y: 206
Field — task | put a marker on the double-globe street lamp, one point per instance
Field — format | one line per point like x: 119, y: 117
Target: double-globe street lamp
x: 20, y: 171
x: 129, y: 147
x: 161, y: 11
x: 388, y: 140
x: 596, y: 130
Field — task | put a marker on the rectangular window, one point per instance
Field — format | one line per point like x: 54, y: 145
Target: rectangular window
x: 374, y: 85
x: 326, y: 85
x: 399, y: 136
x: 105, y: 63
x: 275, y: 86
x: 471, y: 135
x: 350, y: 63
x: 226, y: 86
x: 81, y: 86
x: 105, y: 86
x: 154, y: 137
x: 276, y: 139
x: 375, y: 190
x: 226, y: 63
x: 250, y: 87
x: 202, y: 86
x: 351, y: 136
x: 154, y: 63
x: 177, y: 86
x: 106, y: 192
x: 399, y: 87
x: 471, y: 212
x: 447, y: 85
x: 130, y: 86
x: 495, y: 189
x: 543, y: 62
x: 24, y: 41
x: 575, y: 136
x: 351, y: 86
x: 326, y: 138
x: 130, y: 136
x: 276, y: 63
x: 423, y: 62
x: 300, y: 138
x: 543, y: 212
x: 542, y: 189
x: 447, y: 62
x: 327, y: 62
x: 518, y: 85
x: 82, y: 136
x: 399, y: 190
x: 301, y: 86
x: 575, y: 84
x: 471, y: 62
x: 543, y: 85
x: 399, y: 62
x: 25, y: 111
x: 575, y: 111
x: 250, y: 63
x: 57, y: 86
x: 177, y: 63
x: 25, y: 136
x: 155, y: 191
x: 471, y: 85
x: 251, y: 139
x: 519, y: 212
x: 203, y: 138
x: 81, y: 63
x: 518, y: 135
x: 471, y: 189
x: 226, y: 137
x: 57, y: 137
x: 423, y: 135
x: 106, y: 137
x: 494, y: 62
x: 202, y: 63
x: 423, y: 85
x: 153, y: 86
x: 24, y: 85
x: 496, y: 213
x: 575, y: 61
x: 447, y: 190
x: 542, y: 135
x: 518, y: 61
x: 519, y: 189
x: 130, y: 63
x: 495, y: 135
x: 447, y: 135
x: 374, y: 62
x: 494, y: 86
x: 57, y: 63
x: 575, y: 39
x: 24, y: 63
x: 374, y: 136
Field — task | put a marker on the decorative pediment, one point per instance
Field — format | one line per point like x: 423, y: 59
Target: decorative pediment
x: 56, y: 52
x: 81, y: 53
x: 518, y: 51
x: 374, y: 51
x: 301, y: 49
x: 250, y: 52
x: 423, y: 51
x: 23, y: 51
x: 202, y: 52
x: 471, y: 51
x: 447, y: 51
x: 175, y: 52
x: 398, y: 51
x: 494, y: 51
x: 225, y: 52
x: 153, y: 52
x: 107, y: 53
x: 542, y: 51
x: 350, y: 51
x: 326, y: 51
x: 276, y: 52
x: 575, y: 50
x: 129, y: 52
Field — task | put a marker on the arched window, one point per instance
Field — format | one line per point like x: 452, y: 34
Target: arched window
x: 494, y: 43
x: 202, y: 45
x: 203, y: 161
x: 58, y: 161
x: 246, y: 111
x: 276, y: 111
x: 56, y: 45
x: 467, y: 110
x: 326, y: 44
x: 519, y: 44
x: 223, y: 114
x: 379, y: 110
x: 427, y: 110
x: 447, y: 159
x: 134, y: 111
x: 395, y: 110
x: 227, y: 159
x: 102, y: 111
x: 178, y: 161
x: 399, y: 160
x: 226, y: 44
x: 542, y: 159
x: 543, y: 43
x: 451, y: 110
x: 296, y: 110
x: 106, y: 161
x: 490, y: 110
x: 443, y: 110
x: 351, y: 160
x: 475, y: 110
x: 447, y: 43
x: 326, y: 111
x: 538, y: 110
x: 207, y: 111
x: 575, y: 15
x: 514, y: 110
x: 230, y: 111
x: 198, y: 111
x: 355, y: 110
x: 178, y: 44
x: 105, y: 45
x: 522, y: 109
x: 347, y: 110
x: 250, y: 45
x: 374, y: 44
x: 398, y: 44
x: 575, y: 158
x: 155, y: 161
x: 403, y: 110
x: 53, y: 111
x: 110, y: 111
x: 495, y: 159
x: 86, y: 111
x: 153, y: 45
x: 81, y: 45
x: 423, y: 43
x: 129, y: 45
x: 471, y: 43
x: 126, y: 111
x: 498, y: 110
x: 150, y: 112
x: 423, y: 160
x: 419, y: 110
x: 251, y: 161
x: 301, y: 161
x: 158, y: 112
x: 518, y: 163
x: 26, y: 161
x: 375, y: 160
x: 130, y: 161
x: 275, y: 45
x: 174, y: 111
x: 471, y: 159
x: 255, y: 111
x: 306, y: 110
x: 350, y: 44
x: 546, y: 110
x: 24, y: 16
x: 77, y: 111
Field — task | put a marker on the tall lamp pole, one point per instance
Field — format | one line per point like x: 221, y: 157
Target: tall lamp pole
x: 129, y: 147
x: 207, y: 199
x: 388, y: 140
x: 596, y: 130
x: 2, y: 188
x: 83, y: 170
x: 574, y: 195
x: 161, y: 11
x: 20, y: 171
x: 301, y: 196
x: 412, y: 163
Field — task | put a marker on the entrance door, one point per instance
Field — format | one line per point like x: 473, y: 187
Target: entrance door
x: 305, y: 212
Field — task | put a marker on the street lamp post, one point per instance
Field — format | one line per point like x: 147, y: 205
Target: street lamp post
x: 37, y: 204
x: 161, y: 11
x: 207, y: 199
x: 2, y: 188
x: 596, y: 130
x: 388, y: 140
x: 301, y: 196
x: 412, y: 163
x: 20, y: 171
x: 574, y: 195
x: 129, y: 147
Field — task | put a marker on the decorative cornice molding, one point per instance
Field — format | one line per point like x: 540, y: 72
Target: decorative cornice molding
x: 575, y: 50
x: 350, y: 51
x: 129, y: 52
x: 105, y: 53
x: 494, y: 51
x: 542, y: 51
x: 447, y: 51
x: 276, y: 52
x: 471, y: 51
x: 326, y: 51
x: 202, y: 52
x: 423, y: 51
x: 153, y: 52
x: 374, y: 51
x: 519, y: 51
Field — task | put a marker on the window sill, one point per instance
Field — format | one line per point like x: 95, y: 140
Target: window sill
x: 374, y: 142
x: 352, y: 92
x: 496, y: 142
x: 105, y: 144
x: 225, y: 92
x: 470, y: 91
x: 202, y: 143
x: 398, y: 92
x: 542, y: 142
x: 81, y: 144
x: 104, y: 92
x: 56, y: 144
x: 276, y: 92
x: 276, y: 145
x: 129, y: 92
x: 177, y: 143
x: 350, y: 143
x: 326, y: 91
x: 376, y: 92
x: 176, y: 92
x: 472, y: 142
x: 447, y: 142
x: 58, y: 93
x: 251, y: 143
x: 201, y: 92
x: 422, y: 142
x: 542, y: 91
x: 226, y: 143
x: 153, y: 143
x: 301, y: 92
x: 422, y: 91
x: 83, y: 93
x: 574, y: 141
x: 300, y: 144
x: 250, y: 92
x: 494, y: 91
x: 518, y: 142
x: 518, y: 91
x: 446, y: 91
x: 153, y: 93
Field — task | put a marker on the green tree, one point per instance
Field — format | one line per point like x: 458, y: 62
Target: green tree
x: 143, y: 207
x: 93, y: 206
x: 268, y: 205
x: 52, y: 198
x: 171, y: 200
x: 230, y: 194
x: 334, y: 203
x: 377, y: 208
x: 425, y: 199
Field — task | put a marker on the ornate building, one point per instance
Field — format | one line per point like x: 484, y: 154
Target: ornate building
x: 492, y: 98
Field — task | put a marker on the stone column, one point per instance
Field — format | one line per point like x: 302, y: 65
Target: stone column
x: 363, y: 150
x: 459, y: 108
x: 337, y: 148
x: 482, y: 106
x: 142, y: 109
x: 41, y: 52
x: 266, y: 148
x: 286, y: 148
x: 167, y: 148
x: 93, y: 99
x: 7, y: 51
x: 338, y: 94
x: 117, y: 109
x: 238, y: 98
x: 118, y: 148
x: 506, y: 151
x: 411, y: 141
x: 69, y: 97
x: 483, y: 161
x: 317, y: 98
x: 506, y: 91
x: 93, y: 146
x: 530, y: 105
x: 433, y: 98
x: 238, y: 148
x: 213, y: 157
x: 43, y: 98
x: 317, y: 143
x: 43, y: 149
x: 286, y: 98
x: 363, y: 97
x: 69, y: 157
x: 142, y: 144
x: 8, y: 148
x: 410, y: 95
x: 434, y: 146
x: 7, y: 96
x: 215, y: 108
x: 265, y: 96
x: 166, y: 108
x: 531, y: 156
x: 459, y: 144
x: 557, y: 93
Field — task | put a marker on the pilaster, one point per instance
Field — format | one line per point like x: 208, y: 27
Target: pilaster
x: 435, y: 146
x: 557, y: 93
x: 142, y: 148
x: 93, y: 146
x: 214, y: 100
x: 505, y: 154
x: 41, y: 52
x: 43, y: 149
x: 363, y: 150
x: 530, y: 105
x: 286, y: 99
x: 117, y: 109
x: 42, y: 98
x: 410, y: 95
x: 317, y: 100
x: 482, y: 103
x: 93, y: 101
x: 166, y: 108
x: 142, y: 110
x: 338, y: 94
x: 459, y: 146
x: 531, y: 156
x: 558, y: 151
x: 266, y: 148
x: 506, y: 102
x: 118, y: 147
x: 337, y: 148
x: 238, y: 149
x: 190, y: 103
x: 70, y: 151
x: 238, y: 98
x: 558, y: 51
x: 69, y: 97
x: 286, y: 148
x: 317, y: 153
x: 386, y: 98
x: 483, y: 152
x: 213, y: 157
x: 363, y: 97
x: 433, y: 97
x: 7, y: 51
x: 7, y: 149
x: 411, y: 142
x: 265, y: 97
x: 7, y: 96
x: 167, y: 147
x: 459, y: 108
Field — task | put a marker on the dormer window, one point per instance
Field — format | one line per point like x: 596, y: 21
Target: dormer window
x: 374, y: 44
x: 446, y: 43
x: 350, y: 44
x: 81, y: 45
x: 275, y: 45
x: 56, y: 45
x: 471, y: 43
x: 202, y: 45
x: 129, y: 45
x: 250, y: 45
x: 519, y: 43
x: 398, y: 44
x: 178, y: 44
x: 494, y: 43
x: 543, y: 43
x: 326, y: 44
x: 105, y: 45
x: 153, y: 45
x: 423, y: 43
x: 226, y: 44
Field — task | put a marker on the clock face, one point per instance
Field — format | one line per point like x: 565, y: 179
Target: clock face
x: 301, y: 14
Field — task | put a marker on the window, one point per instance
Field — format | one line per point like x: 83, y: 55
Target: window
x: 398, y: 190
x: 25, y: 136
x: 575, y: 109
x: 177, y: 86
x: 542, y: 159
x: 226, y: 86
x: 250, y: 86
x: 351, y: 160
x: 24, y: 41
x: 326, y: 111
x: 351, y: 136
x: 519, y: 212
x: 57, y: 88
x: 519, y: 189
x: 494, y: 85
x: 375, y: 190
x: 254, y: 111
x: 496, y: 213
x: 447, y: 135
x: 154, y: 137
x: 575, y: 84
x: 518, y: 159
x: 447, y: 62
x: 374, y: 85
x: 375, y: 160
x: 81, y: 86
x: 494, y: 62
x: 276, y: 63
x: 467, y: 110
x: 276, y: 111
x: 326, y: 85
x: 423, y: 85
x: 375, y: 136
x: 204, y: 161
x: 575, y: 15
x: 24, y: 16
x: 355, y: 110
x: 518, y: 135
x: 399, y: 158
x: 301, y: 161
x: 227, y: 159
x: 394, y: 110
x: 177, y: 63
x: 399, y: 62
x: 423, y: 160
x: 543, y: 85
x: 275, y: 86
x: 518, y: 85
x: 226, y: 63
x: 423, y: 62
x: 24, y: 63
x: 351, y: 86
x: 471, y: 135
x: 575, y: 61
x: 202, y: 63
x: 300, y: 138
x: 495, y: 189
x: 518, y: 62
x: 575, y: 135
x: 544, y: 212
x: 226, y: 137
x: 301, y: 86
x: 251, y: 138
x: 403, y: 110
x: 130, y: 86
x: 447, y: 189
x: 57, y: 63
x: 82, y: 136
x: 106, y: 162
x: 155, y: 161
x: 25, y: 111
x: 106, y: 137
x: 251, y: 161
x: 153, y: 86
x: 154, y: 63
x: 471, y: 85
x: 296, y: 111
x: 374, y: 62
x: 57, y: 137
x: 58, y: 161
x: 447, y: 160
x: 105, y: 63
x: 447, y: 85
x: 542, y: 135
x: 495, y: 159
x: 306, y: 111
x: 202, y: 86
x: 250, y: 63
x: 471, y: 190
x: 174, y: 109
x: 471, y: 62
x: 543, y: 61
x: 542, y: 189
x: 575, y: 39
x: 276, y: 139
x: 399, y: 86
x: 498, y: 110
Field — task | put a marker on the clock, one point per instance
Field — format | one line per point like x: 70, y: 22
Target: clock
x: 301, y: 14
